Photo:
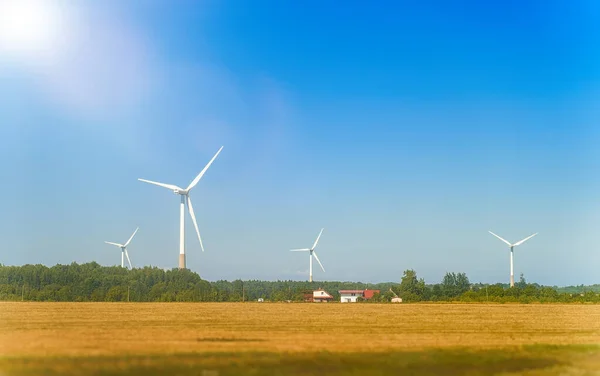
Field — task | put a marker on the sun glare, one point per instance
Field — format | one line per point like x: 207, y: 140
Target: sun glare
x: 29, y: 28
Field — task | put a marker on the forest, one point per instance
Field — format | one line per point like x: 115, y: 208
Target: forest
x: 92, y: 282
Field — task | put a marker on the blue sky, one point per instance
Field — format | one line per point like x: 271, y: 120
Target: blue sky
x: 407, y: 131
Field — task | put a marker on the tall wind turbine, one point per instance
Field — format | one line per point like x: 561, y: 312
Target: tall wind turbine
x: 311, y: 254
x: 512, y: 275
x: 124, y: 249
x: 185, y: 199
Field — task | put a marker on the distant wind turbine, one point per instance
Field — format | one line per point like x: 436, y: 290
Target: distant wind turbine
x: 124, y: 249
x: 185, y: 199
x: 512, y: 275
x: 311, y: 254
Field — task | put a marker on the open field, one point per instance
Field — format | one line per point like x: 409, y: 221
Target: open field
x: 213, y: 339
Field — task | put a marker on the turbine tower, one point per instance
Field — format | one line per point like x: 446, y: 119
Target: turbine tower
x: 512, y: 275
x: 311, y: 254
x: 185, y: 200
x: 124, y: 249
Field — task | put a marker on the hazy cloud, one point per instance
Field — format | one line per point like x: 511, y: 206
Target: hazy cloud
x: 89, y: 61
x: 106, y: 67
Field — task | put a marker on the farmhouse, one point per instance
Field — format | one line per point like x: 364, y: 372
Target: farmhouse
x: 350, y: 296
x: 321, y: 295
x: 318, y: 296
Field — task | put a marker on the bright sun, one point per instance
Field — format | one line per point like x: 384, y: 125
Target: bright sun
x: 29, y: 28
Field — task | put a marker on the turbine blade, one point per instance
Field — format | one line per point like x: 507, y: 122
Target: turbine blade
x: 117, y: 244
x: 524, y: 240
x: 191, y: 210
x: 318, y: 237
x: 128, y: 260
x: 315, y: 254
x: 168, y: 186
x: 506, y: 241
x: 129, y: 241
x: 300, y: 250
x: 197, y: 179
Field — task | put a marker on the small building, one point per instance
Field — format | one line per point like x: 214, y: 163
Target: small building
x: 307, y: 297
x: 317, y: 296
x: 321, y: 296
x: 260, y: 300
x: 396, y: 298
x: 350, y: 296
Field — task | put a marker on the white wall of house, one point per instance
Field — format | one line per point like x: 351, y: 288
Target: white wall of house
x: 349, y: 298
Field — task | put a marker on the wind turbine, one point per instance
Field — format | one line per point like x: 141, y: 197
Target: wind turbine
x: 512, y: 276
x: 124, y: 249
x: 185, y: 199
x: 311, y: 254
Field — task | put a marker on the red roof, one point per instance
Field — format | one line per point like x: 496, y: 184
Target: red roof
x: 369, y: 293
x: 351, y: 291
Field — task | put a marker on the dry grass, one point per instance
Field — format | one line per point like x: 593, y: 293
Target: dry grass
x: 77, y: 332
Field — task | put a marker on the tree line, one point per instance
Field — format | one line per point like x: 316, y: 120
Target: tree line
x: 92, y: 282
x: 456, y: 287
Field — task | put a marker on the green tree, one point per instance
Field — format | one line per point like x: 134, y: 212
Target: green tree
x: 116, y: 294
x: 522, y: 282
x: 462, y: 283
x: 411, y: 288
x: 449, y: 288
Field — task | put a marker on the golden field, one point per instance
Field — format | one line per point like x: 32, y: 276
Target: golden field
x: 297, y: 338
